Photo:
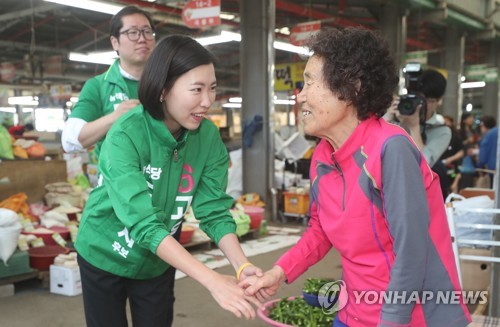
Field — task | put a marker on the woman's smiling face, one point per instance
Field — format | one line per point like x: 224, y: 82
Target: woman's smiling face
x: 192, y: 94
x: 322, y: 111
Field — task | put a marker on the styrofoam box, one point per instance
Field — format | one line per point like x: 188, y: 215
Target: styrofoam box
x: 65, y: 281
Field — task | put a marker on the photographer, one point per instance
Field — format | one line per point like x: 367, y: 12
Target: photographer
x: 430, y: 135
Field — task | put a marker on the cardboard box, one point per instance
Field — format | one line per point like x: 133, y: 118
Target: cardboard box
x: 475, y: 274
x: 65, y: 281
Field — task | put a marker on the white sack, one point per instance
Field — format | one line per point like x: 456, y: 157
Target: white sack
x: 8, y: 240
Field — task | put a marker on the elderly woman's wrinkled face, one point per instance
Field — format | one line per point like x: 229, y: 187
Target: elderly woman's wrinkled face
x: 322, y: 111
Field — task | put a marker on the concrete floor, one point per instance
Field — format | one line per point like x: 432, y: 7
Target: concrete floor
x: 34, y: 306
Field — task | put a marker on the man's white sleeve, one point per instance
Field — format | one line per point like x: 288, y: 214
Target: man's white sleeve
x: 71, y: 131
x: 438, y: 140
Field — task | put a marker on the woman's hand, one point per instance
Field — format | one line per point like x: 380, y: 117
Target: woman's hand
x: 226, y: 292
x: 266, y: 286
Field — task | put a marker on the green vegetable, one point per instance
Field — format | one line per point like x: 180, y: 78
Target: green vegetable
x: 297, y: 312
x: 313, y: 285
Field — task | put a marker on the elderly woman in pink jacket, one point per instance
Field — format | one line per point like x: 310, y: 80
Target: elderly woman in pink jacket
x: 373, y: 196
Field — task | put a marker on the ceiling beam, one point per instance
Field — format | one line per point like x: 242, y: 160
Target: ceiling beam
x: 31, y: 29
x: 26, y: 47
x: 28, y: 12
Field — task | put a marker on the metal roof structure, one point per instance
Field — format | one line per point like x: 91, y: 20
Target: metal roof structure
x: 36, y: 36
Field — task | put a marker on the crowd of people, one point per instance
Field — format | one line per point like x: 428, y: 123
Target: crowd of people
x: 370, y: 180
x: 471, y: 155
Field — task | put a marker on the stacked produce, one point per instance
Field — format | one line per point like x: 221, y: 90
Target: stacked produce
x: 18, y: 147
x: 24, y: 149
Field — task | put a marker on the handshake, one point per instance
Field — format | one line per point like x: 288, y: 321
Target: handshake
x: 253, y: 286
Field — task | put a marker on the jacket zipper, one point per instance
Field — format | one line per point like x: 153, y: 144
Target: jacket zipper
x: 339, y: 170
x: 176, y: 155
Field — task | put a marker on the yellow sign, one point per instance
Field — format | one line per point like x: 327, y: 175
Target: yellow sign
x: 289, y: 76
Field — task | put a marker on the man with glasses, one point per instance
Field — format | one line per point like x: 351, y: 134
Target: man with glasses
x: 106, y: 97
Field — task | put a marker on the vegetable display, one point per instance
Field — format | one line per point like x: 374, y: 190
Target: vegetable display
x: 313, y: 285
x: 297, y: 312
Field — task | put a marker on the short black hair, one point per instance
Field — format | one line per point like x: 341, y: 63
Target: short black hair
x: 29, y: 127
x: 358, y: 67
x: 432, y: 84
x: 488, y: 121
x: 173, y: 56
x: 116, y: 23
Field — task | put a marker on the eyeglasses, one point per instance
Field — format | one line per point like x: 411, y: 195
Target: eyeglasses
x: 134, y: 34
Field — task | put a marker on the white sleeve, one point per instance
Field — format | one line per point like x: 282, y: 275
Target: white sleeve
x: 71, y: 131
x: 436, y: 144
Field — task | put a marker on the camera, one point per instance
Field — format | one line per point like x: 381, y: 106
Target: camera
x: 409, y: 102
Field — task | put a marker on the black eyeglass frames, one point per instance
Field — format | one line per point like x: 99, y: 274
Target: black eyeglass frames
x: 134, y: 34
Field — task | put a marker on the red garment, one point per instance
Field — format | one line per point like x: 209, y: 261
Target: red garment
x: 16, y: 130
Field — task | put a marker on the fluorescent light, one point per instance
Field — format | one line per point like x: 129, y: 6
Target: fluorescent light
x: 103, y: 58
x: 106, y: 8
x: 227, y: 16
x: 231, y: 105
x: 24, y: 101
x: 471, y: 85
x: 235, y: 100
x: 224, y: 37
x: 292, y: 48
x: 8, y: 109
x: 283, y: 30
x: 281, y: 101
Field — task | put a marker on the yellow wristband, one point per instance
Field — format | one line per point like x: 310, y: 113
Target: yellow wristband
x: 240, y: 269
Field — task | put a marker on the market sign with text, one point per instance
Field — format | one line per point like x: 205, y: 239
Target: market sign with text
x: 301, y: 32
x: 481, y: 72
x: 201, y: 13
x: 61, y: 91
x: 416, y: 56
x: 289, y: 76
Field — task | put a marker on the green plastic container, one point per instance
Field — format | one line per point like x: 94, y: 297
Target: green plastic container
x: 18, y: 264
x: 242, y: 221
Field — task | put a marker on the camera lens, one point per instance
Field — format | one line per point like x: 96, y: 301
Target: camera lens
x: 406, y: 106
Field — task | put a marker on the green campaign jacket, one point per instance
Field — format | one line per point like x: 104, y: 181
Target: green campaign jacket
x: 148, y: 180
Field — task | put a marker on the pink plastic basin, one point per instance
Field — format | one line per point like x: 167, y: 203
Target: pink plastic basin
x: 256, y: 215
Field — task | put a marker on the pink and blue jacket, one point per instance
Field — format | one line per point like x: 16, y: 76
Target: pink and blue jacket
x: 377, y: 202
